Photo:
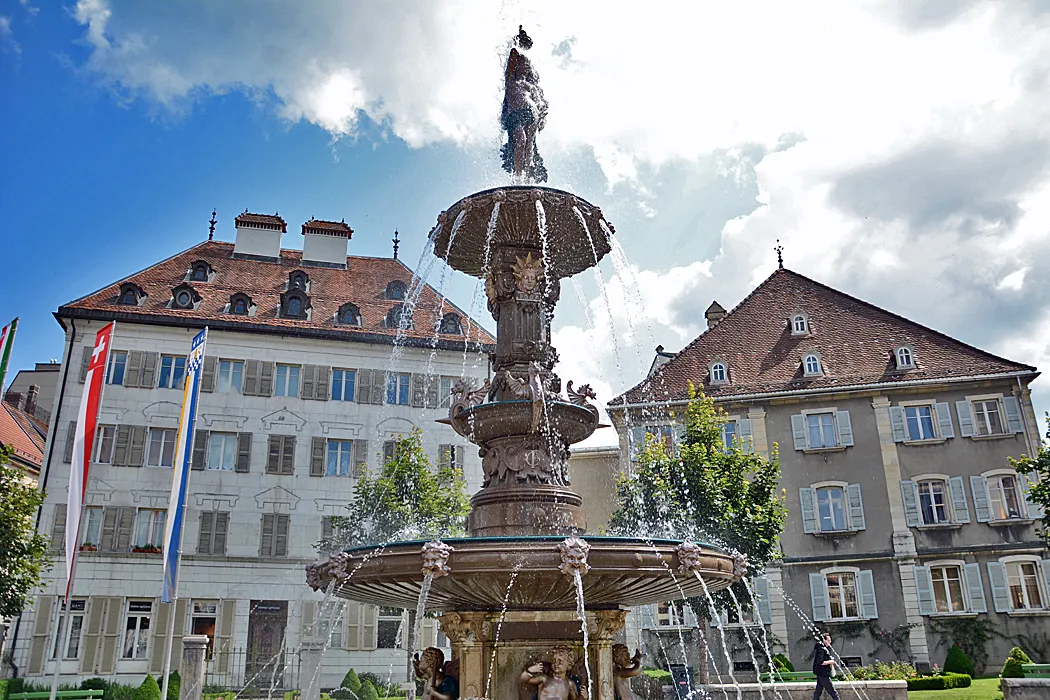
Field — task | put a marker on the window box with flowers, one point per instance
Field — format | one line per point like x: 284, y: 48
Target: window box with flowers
x: 147, y: 549
x: 88, y: 547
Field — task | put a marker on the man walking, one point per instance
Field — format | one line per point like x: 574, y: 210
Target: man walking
x: 823, y: 664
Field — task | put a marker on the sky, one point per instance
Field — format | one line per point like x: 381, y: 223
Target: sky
x: 899, y: 150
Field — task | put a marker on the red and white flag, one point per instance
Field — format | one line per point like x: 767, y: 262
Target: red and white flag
x: 83, y: 443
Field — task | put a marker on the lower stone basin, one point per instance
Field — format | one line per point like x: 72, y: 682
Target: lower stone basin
x: 624, y: 572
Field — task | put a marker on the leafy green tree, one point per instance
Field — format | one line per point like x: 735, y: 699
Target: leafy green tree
x: 24, y: 550
x: 1037, y: 470
x: 706, y: 492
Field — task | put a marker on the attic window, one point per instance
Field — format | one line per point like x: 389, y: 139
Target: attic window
x: 184, y: 297
x: 201, y: 272
x: 130, y: 294
x: 811, y: 365
x: 241, y: 305
x: 905, y: 357
x: 799, y: 324
x: 349, y: 315
x: 718, y: 373
x: 396, y: 290
x: 298, y: 280
x: 451, y: 324
x: 294, y: 304
x: 395, y: 315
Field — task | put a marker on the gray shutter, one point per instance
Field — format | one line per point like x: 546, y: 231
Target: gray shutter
x: 761, y: 590
x: 979, y: 487
x: 911, y: 503
x: 459, y: 456
x: 975, y: 588
x: 149, y: 370
x: 38, y: 646
x: 378, y: 387
x: 224, y: 635
x: 125, y: 524
x: 111, y: 628
x: 266, y: 535
x: 856, y: 507
x: 273, y: 455
x: 444, y: 456
x: 280, y: 536
x: 432, y: 389
x: 798, y: 431
x: 635, y: 442
x: 208, y: 374
x: 418, y: 390
x: 327, y: 528
x: 244, y: 453
x: 92, y: 632
x: 806, y: 498
x: 900, y: 431
x: 866, y: 592
x: 352, y: 636
x: 1035, y: 510
x: 960, y: 509
x: 200, y: 450
x: 207, y: 529
x: 120, y: 446
x: 133, y: 373
x: 1000, y: 591
x: 137, y: 450
x: 323, y: 387
x: 85, y: 363
x: 222, y: 526
x: 924, y: 590
x: 265, y: 379
x: 109, y: 529
x: 746, y: 441
x: 250, y: 378
x: 288, y: 454
x: 944, y: 420
x: 308, y: 378
x: 1012, y: 409
x: 58, y: 528
x: 966, y: 427
x: 360, y: 457
x: 160, y: 629
x: 819, y: 597
x: 369, y: 627
x: 845, y: 429
x: 389, y: 450
x: 67, y: 453
x: 306, y: 619
x: 317, y: 448
x: 363, y: 383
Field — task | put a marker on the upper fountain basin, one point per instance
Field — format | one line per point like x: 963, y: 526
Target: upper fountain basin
x: 575, y: 237
x: 499, y: 419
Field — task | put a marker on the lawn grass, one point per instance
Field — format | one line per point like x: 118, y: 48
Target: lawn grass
x: 980, y: 689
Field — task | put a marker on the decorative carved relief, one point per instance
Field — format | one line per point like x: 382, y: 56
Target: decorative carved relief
x: 280, y: 499
x: 215, y: 420
x: 216, y: 501
x: 688, y: 557
x: 574, y: 553
x: 528, y: 460
x: 435, y: 559
x: 606, y: 623
x: 282, y: 419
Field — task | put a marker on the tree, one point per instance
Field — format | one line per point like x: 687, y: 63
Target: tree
x: 24, y: 550
x: 706, y: 492
x: 1037, y: 471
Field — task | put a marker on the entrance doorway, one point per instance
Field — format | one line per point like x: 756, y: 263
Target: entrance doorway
x: 264, y: 667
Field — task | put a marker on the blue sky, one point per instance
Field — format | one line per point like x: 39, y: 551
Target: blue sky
x: 903, y: 156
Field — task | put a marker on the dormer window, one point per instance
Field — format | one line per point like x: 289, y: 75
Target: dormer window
x: 130, y: 294
x: 201, y: 272
x: 184, y: 297
x: 298, y: 280
x: 451, y: 324
x: 719, y: 373
x: 811, y: 366
x: 396, y: 290
x: 905, y: 357
x: 799, y: 324
x: 241, y: 305
x: 295, y: 304
x: 349, y: 315
x: 395, y: 315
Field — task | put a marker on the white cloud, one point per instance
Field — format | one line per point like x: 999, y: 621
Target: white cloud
x: 7, y: 36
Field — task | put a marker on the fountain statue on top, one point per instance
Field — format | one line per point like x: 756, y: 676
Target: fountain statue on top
x: 528, y: 583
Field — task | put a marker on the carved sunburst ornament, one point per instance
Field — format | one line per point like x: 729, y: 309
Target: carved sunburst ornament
x: 527, y: 273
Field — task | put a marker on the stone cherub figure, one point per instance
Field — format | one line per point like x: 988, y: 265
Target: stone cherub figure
x: 440, y: 679
x: 552, y: 682
x: 524, y: 114
x: 625, y: 667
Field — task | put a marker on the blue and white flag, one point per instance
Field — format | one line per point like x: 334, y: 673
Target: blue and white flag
x: 180, y: 477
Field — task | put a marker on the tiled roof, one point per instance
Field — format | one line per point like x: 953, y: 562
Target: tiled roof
x: 24, y: 434
x: 261, y: 220
x: 363, y: 283
x: 855, y: 341
x: 328, y: 228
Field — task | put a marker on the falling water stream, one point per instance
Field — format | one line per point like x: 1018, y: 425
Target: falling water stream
x: 747, y: 638
x: 499, y: 624
x: 421, y: 607
x: 582, y: 614
x: 721, y: 636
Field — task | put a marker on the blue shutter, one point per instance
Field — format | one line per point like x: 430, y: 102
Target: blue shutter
x: 764, y: 609
x: 746, y: 441
x: 819, y: 596
x: 798, y: 431
x: 856, y: 507
x: 911, y: 503
x: 866, y: 592
x: 900, y: 433
x: 1035, y: 511
x: 966, y: 428
x: 809, y: 515
x: 975, y: 588
x: 1000, y: 591
x: 1012, y: 409
x: 982, y: 510
x: 957, y: 489
x: 845, y: 429
x: 924, y: 590
x: 944, y: 420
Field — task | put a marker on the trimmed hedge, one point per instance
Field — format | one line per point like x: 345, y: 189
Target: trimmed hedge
x: 351, y: 681
x: 958, y: 662
x: 368, y: 691
x: 782, y: 663
x: 1012, y: 667
x: 662, y: 676
x: 3, y: 690
x: 945, y: 682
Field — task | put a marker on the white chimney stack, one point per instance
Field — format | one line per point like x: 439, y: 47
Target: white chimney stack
x: 259, y: 235
x: 324, y: 242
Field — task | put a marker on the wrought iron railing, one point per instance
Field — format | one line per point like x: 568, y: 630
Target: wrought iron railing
x: 248, y: 670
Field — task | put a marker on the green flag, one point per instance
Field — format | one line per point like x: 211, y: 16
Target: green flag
x: 7, y: 336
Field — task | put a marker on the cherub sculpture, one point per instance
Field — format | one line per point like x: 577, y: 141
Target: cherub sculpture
x: 552, y: 682
x: 440, y: 679
x: 532, y: 390
x: 625, y: 667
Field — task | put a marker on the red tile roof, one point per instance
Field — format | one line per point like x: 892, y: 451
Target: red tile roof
x: 261, y: 221
x: 362, y: 283
x: 24, y: 434
x: 328, y: 228
x: 855, y: 341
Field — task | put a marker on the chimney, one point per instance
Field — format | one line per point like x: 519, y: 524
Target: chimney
x: 714, y: 314
x: 259, y: 235
x: 14, y: 398
x: 31, y: 397
x: 324, y: 242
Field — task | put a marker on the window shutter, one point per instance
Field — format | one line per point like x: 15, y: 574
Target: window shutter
x: 200, y: 449
x: 866, y: 591
x: 323, y: 387
x: 360, y: 457
x: 133, y: 373
x: 266, y: 535
x: 982, y: 511
x: 806, y: 498
x: 280, y: 538
x: 418, y: 390
x: 369, y: 627
x: 222, y: 526
x: 125, y: 523
x: 1012, y: 409
x: 159, y: 623
x: 798, y: 431
x: 306, y: 619
x: 364, y: 385
x: 911, y: 503
x: 317, y: 447
x: 746, y: 441
x: 58, y: 528
x: 900, y: 433
x: 352, y: 638
x: 1045, y: 566
x: 924, y: 590
x: 120, y: 446
x: 244, y: 453
x: 960, y: 509
x: 273, y: 455
x: 1000, y: 592
x: 288, y: 454
x: 761, y: 591
x: 250, y: 378
x: 389, y: 449
x: 111, y: 628
x: 975, y: 588
x: 85, y: 362
x: 966, y: 427
x: 148, y: 380
x: 378, y: 387
x: 819, y: 596
x: 309, y: 380
x: 459, y: 456
x: 635, y: 442
x: 92, y: 632
x: 224, y: 634
x: 944, y: 420
x: 137, y: 452
x: 845, y: 429
x: 327, y: 528
x: 208, y: 374
x: 206, y: 531
x: 1035, y: 511
x: 67, y: 454
x: 265, y: 379
x: 109, y: 529
x: 432, y: 388
x: 429, y: 633
x: 856, y: 507
x: 38, y: 646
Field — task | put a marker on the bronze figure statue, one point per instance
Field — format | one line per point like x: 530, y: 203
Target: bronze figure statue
x: 624, y: 669
x: 552, y: 680
x: 524, y: 114
x: 440, y: 679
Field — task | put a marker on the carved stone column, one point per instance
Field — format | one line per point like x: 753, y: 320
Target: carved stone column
x: 602, y: 628
x: 464, y: 632
x: 191, y: 667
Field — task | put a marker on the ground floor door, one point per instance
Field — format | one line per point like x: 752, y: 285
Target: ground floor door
x: 265, y: 663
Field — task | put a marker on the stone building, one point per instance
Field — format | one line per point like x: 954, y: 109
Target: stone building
x: 35, y: 388
x: 301, y: 393
x: 893, y: 443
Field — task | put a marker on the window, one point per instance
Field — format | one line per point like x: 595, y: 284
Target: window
x: 222, y: 451
x: 92, y: 529
x: 118, y: 363
x: 343, y: 381
x: 211, y: 537
x: 987, y: 417
x: 445, y: 391
x: 933, y: 501
x: 947, y: 589
x: 297, y: 280
x: 670, y: 615
x: 240, y: 304
x: 340, y: 458
x: 281, y: 455
x: 451, y: 324
x: 273, y: 541
x: 397, y: 389
x: 295, y: 306
x: 149, y: 530
x: 202, y: 620
x: 74, y: 630
x: 230, y: 377
x: 821, y: 431
x: 732, y: 616
x: 729, y: 434
x: 200, y: 273
x: 104, y: 443
x: 172, y: 371
x: 129, y: 297
x: 183, y: 298
x: 920, y: 422
x: 136, y: 629
x: 389, y: 450
x: 349, y: 315
x: 161, y: 451
x: 799, y: 326
x: 718, y: 373
x: 398, y: 315
x: 831, y: 508
x: 905, y: 358
x: 396, y: 290
x: 450, y: 457
x: 389, y: 628
x: 842, y: 595
x: 287, y: 381
x: 1004, y: 497
x: 811, y: 365
x: 1023, y: 579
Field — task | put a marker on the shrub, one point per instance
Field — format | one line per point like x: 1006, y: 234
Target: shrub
x: 149, y: 690
x: 647, y: 686
x: 120, y: 691
x: 783, y: 663
x: 958, y: 662
x: 662, y: 676
x: 3, y: 690
x: 174, y: 681
x: 351, y: 681
x: 368, y: 691
x: 1012, y: 667
x: 945, y: 682
x: 881, y: 671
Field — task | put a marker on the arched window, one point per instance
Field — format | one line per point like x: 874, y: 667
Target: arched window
x: 451, y: 324
x: 240, y: 304
x: 812, y: 365
x: 183, y: 299
x: 129, y: 297
x: 200, y: 273
x: 718, y: 373
x: 395, y: 315
x: 349, y: 315
x: 905, y: 358
x: 295, y: 306
x: 396, y: 290
x: 799, y: 324
x: 298, y: 280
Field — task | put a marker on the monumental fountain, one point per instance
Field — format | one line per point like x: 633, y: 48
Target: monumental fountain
x: 527, y: 600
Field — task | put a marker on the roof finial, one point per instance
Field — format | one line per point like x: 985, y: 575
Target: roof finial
x: 780, y: 255
x: 396, y: 243
x: 211, y: 226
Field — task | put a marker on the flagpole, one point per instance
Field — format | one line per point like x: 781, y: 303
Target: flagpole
x: 170, y: 637
x: 6, y: 341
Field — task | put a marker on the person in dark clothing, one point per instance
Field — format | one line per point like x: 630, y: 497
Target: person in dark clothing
x: 823, y: 663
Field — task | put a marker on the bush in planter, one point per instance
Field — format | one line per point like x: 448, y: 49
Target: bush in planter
x: 368, y: 691
x: 1012, y: 667
x: 149, y: 690
x: 958, y: 662
x: 944, y: 682
x: 783, y: 663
